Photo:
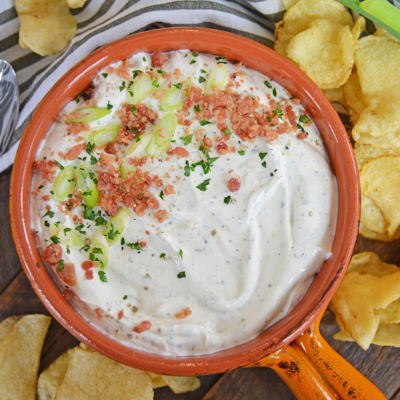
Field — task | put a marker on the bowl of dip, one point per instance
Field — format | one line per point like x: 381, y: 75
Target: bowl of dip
x: 195, y: 199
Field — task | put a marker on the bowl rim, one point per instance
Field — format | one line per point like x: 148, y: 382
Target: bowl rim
x: 233, y: 47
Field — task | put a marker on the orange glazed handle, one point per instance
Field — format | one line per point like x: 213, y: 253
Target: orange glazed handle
x: 347, y: 382
x: 298, y: 373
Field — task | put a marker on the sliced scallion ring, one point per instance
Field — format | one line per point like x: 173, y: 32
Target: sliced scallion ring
x: 98, y: 241
x: 140, y: 145
x: 117, y: 225
x: 68, y: 236
x: 124, y: 169
x: 104, y: 134
x: 141, y: 89
x: 217, y: 78
x: 86, y: 185
x: 174, y: 98
x: 162, y: 135
x: 87, y: 114
x: 64, y: 183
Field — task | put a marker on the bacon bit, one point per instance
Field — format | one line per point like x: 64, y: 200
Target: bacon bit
x: 199, y: 134
x: 39, y: 165
x: 52, y: 255
x: 222, y: 148
x: 222, y: 100
x: 153, y: 204
x: 120, y: 315
x: 207, y: 142
x: 79, y: 139
x: 178, y: 178
x: 233, y: 185
x: 47, y: 197
x: 99, y: 313
x: 178, y: 73
x: 161, y: 215
x: 157, y: 181
x: 109, y: 70
x: 75, y: 151
x: 110, y: 148
x: 184, y: 122
x: 179, y: 151
x: 89, y: 274
x: 144, y: 326
x: 123, y: 73
x: 68, y: 294
x: 68, y: 274
x: 86, y: 265
x: 147, y: 233
x: 302, y: 135
x: 157, y: 59
x: 169, y: 189
x: 159, y: 95
x: 48, y: 207
x: 143, y: 244
x: 185, y: 313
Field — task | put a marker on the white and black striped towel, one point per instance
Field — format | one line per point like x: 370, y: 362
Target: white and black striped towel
x: 103, y: 21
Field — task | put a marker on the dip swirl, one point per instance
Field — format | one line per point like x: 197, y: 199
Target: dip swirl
x: 231, y: 223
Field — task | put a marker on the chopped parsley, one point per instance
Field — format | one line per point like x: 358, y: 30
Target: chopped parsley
x: 187, y: 139
x: 93, y: 159
x: 178, y: 86
x: 220, y: 58
x: 194, y: 54
x: 112, y: 234
x: 241, y: 152
x: 122, y: 241
x: 61, y: 265
x: 203, y: 72
x: 38, y: 265
x: 187, y: 169
x: 181, y: 253
x: 105, y: 75
x: 68, y: 250
x: 274, y: 92
x: 121, y: 88
x: 86, y: 247
x: 41, y: 187
x: 227, y: 131
x: 277, y: 111
x: 133, y: 109
x: 97, y: 250
x: 100, y: 221
x: 135, y: 246
x: 79, y: 229
x: 125, y: 297
x: 46, y: 224
x: 155, y: 83
x: 264, y: 164
x: 135, y: 73
x: 203, y: 185
x: 201, y: 79
x: 109, y: 106
x: 161, y: 195
x: 262, y: 155
x: 267, y: 84
x: 55, y: 239
x: 59, y: 165
x: 137, y: 137
x: 66, y: 230
x: 89, y: 214
x: 162, y: 255
x: 181, y: 275
x: 161, y: 72
x: 144, y: 59
x: 78, y: 97
x: 197, y: 107
x: 102, y: 276
x: 204, y: 122
x: 227, y: 199
x: 304, y: 119
x: 286, y: 147
x: 192, y: 62
x: 57, y: 223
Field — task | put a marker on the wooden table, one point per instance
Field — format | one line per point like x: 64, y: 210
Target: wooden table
x: 379, y: 364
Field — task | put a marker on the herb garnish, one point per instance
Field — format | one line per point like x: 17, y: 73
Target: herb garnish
x: 88, y: 214
x: 204, y: 122
x: 102, y: 276
x: 203, y: 185
x: 192, y: 62
x: 187, y: 139
x: 112, y: 234
x: 61, y: 265
x: 194, y: 54
x: 178, y: 86
x: 201, y: 79
x: 203, y: 72
x: 197, y: 107
x: 78, y: 97
x: 241, y: 152
x: 264, y: 164
x: 181, y: 275
x: 267, y: 84
x: 227, y: 131
x: 105, y: 75
x: 161, y: 195
x: 304, y: 119
x: 59, y: 165
x: 181, y: 253
x: 274, y: 92
x: 262, y: 155
x: 79, y: 229
x: 100, y: 221
x: 162, y: 255
x: 227, y: 199
x: 135, y: 246
x: 49, y: 214
x: 109, y: 106
x: 55, y: 239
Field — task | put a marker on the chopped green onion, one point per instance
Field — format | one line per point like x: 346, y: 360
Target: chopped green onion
x: 88, y: 114
x: 64, y: 183
x: 139, y: 144
x: 174, y: 98
x: 70, y: 237
x: 87, y: 186
x: 141, y: 89
x: 103, y: 135
x: 98, y: 241
x: 124, y: 168
x: 217, y: 79
x: 117, y: 225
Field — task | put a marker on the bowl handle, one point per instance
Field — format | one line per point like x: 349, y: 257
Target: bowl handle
x: 313, y: 370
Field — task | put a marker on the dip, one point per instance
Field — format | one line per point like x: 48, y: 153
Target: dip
x: 183, y: 203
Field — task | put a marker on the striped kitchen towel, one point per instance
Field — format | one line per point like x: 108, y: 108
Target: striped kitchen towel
x: 103, y: 21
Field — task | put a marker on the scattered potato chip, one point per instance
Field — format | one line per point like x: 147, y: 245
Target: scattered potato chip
x: 181, y: 384
x: 325, y: 51
x: 383, y: 32
x: 46, y: 27
x: 50, y: 378
x: 371, y: 216
x: 379, y: 180
x: 6, y: 325
x: 91, y: 375
x: 156, y: 380
x: 289, y: 3
x: 336, y: 96
x: 298, y: 18
x: 372, y: 235
x: 76, y: 3
x: 20, y: 356
x: 356, y: 304
x: 377, y: 60
x: 368, y: 262
x: 353, y: 95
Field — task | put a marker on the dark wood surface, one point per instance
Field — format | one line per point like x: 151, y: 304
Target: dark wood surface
x: 379, y: 364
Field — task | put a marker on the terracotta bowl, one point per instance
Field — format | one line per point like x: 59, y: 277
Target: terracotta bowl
x: 259, y: 58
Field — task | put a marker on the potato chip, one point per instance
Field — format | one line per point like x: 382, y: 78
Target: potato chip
x: 368, y: 262
x: 298, y: 18
x: 289, y: 3
x: 182, y: 384
x: 391, y: 314
x: 75, y: 3
x: 356, y: 306
x: 20, y: 356
x: 325, y: 51
x: 91, y: 375
x: 156, y: 380
x: 46, y: 28
x: 377, y: 60
x: 372, y: 216
x: 379, y: 180
x: 50, y: 378
x: 365, y: 153
x: 383, y: 32
x: 372, y: 235
x: 353, y: 95
x: 353, y: 116
x: 6, y: 325
x: 336, y: 96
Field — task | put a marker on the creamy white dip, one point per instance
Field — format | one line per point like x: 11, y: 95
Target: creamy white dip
x: 247, y: 262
